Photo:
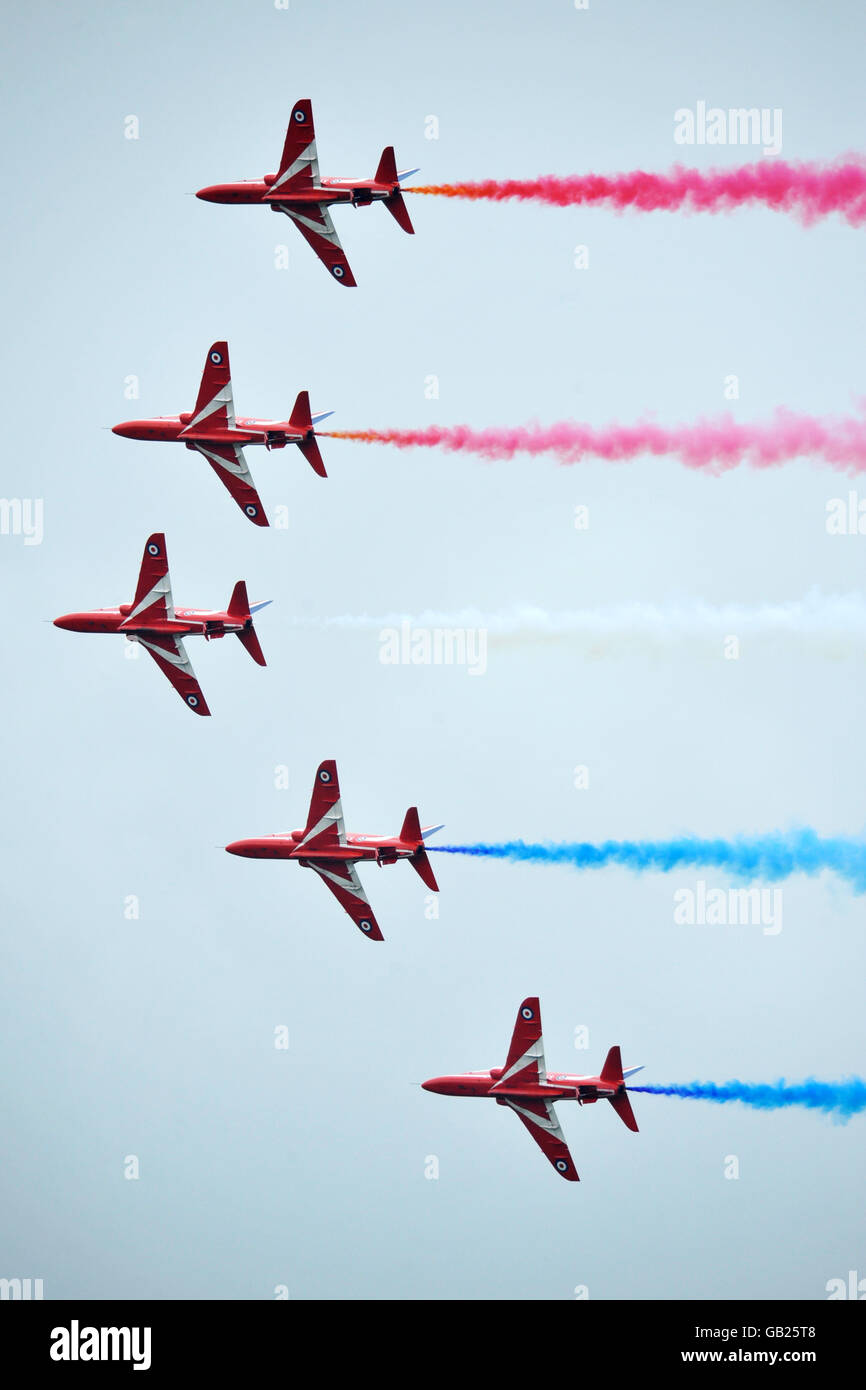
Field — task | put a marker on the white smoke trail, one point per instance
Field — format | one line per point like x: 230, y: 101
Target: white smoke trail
x: 837, y: 622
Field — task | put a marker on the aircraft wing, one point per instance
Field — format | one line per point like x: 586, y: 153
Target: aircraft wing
x: 170, y: 656
x: 525, y: 1060
x: 153, y: 590
x: 214, y: 401
x: 342, y: 879
x: 539, y: 1117
x: 325, y: 828
x: 230, y: 466
x: 299, y: 163
x: 313, y: 221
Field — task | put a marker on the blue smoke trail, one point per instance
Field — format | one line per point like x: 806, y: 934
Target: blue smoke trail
x: 839, y: 1098
x: 769, y: 857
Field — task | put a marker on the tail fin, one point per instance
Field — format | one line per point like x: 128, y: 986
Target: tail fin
x: 611, y: 1072
x: 300, y: 418
x: 239, y: 608
x: 410, y: 831
x: 410, y: 834
x: 387, y: 170
x: 239, y: 604
x: 612, y: 1069
x: 387, y: 174
x: 302, y: 421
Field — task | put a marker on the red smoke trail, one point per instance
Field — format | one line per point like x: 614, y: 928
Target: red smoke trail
x: 809, y: 191
x: 713, y: 445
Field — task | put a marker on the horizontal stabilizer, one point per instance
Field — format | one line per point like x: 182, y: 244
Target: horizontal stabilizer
x: 622, y: 1106
x: 399, y: 211
x: 310, y: 450
x: 249, y: 639
x: 421, y: 864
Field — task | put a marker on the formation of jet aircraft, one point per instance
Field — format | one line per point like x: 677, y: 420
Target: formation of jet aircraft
x: 153, y: 621
x: 213, y: 429
x: 529, y: 1089
x: 323, y: 845
x: 298, y: 190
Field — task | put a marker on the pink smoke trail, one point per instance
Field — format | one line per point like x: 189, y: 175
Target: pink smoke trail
x: 807, y: 190
x: 715, y: 446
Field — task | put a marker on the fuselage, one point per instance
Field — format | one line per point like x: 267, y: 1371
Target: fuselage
x: 560, y: 1086
x: 187, y: 622
x: 274, y: 434
x: 358, y: 192
x: 382, y: 849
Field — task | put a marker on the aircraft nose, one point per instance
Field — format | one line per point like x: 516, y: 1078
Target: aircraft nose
x: 212, y: 194
x: 435, y: 1084
x: 69, y: 622
x: 126, y: 429
x: 241, y: 847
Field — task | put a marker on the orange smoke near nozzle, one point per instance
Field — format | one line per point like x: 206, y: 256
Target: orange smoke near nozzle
x: 360, y: 436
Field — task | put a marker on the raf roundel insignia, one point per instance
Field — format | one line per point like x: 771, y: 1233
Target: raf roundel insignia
x: 251, y: 510
x: 338, y: 271
x: 216, y: 358
x: 561, y: 1165
x: 324, y: 775
x: 300, y: 117
x: 153, y: 549
x: 527, y: 1013
x: 192, y: 700
x: 365, y: 925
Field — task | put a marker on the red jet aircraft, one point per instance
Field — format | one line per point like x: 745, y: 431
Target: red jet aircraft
x: 297, y: 190
x: 213, y: 429
x: 153, y: 620
x: 529, y: 1090
x: 323, y: 845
